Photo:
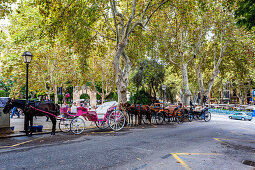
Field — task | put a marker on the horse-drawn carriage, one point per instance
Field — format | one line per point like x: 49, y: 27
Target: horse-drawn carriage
x: 199, y: 113
x: 105, y: 116
x: 171, y: 113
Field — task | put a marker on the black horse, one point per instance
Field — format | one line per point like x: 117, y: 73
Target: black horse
x: 34, y: 108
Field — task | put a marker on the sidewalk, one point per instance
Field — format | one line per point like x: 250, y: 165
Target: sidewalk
x: 18, y: 124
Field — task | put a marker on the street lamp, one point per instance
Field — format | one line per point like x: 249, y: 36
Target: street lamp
x: 164, y: 90
x: 27, y: 57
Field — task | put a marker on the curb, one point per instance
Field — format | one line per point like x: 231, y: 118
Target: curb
x: 47, y: 131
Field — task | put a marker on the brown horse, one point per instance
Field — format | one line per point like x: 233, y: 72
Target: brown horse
x: 139, y: 113
x: 34, y: 108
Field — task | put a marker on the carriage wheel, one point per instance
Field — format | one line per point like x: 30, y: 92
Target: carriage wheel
x: 116, y: 120
x: 102, y: 124
x: 77, y: 125
x: 64, y: 125
x: 168, y: 119
x: 160, y: 118
x: 207, y: 116
x: 153, y: 118
x: 190, y: 117
x: 180, y: 119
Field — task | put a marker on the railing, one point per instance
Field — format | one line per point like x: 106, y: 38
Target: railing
x: 227, y: 112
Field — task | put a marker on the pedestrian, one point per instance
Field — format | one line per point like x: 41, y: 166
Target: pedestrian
x: 74, y: 108
x: 66, y: 107
x: 14, y: 110
x: 47, y: 100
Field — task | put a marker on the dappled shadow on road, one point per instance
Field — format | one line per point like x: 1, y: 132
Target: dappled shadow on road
x: 64, y: 138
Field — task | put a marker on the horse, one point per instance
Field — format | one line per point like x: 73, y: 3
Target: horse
x: 139, y: 112
x: 133, y: 112
x: 34, y: 108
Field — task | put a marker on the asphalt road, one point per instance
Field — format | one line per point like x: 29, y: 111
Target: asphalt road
x: 219, y: 144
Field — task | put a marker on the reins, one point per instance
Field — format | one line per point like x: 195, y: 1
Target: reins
x: 46, y: 112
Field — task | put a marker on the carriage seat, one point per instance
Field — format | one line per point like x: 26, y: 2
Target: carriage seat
x: 74, y: 109
x: 198, y: 108
x: 171, y: 108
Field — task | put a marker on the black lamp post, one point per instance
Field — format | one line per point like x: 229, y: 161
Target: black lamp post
x: 27, y: 58
x: 164, y: 91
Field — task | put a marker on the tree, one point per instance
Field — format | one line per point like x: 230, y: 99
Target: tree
x: 178, y: 32
x: 51, y: 64
x: 125, y: 20
x: 245, y: 14
x: 149, y: 73
x: 5, y: 7
x: 100, y: 72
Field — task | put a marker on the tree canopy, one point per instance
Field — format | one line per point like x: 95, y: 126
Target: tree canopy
x: 191, y: 46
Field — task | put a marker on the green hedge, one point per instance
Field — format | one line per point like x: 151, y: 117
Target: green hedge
x: 3, y: 93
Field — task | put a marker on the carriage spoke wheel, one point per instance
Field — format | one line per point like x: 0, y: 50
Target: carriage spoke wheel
x: 64, y: 125
x: 153, y: 118
x: 116, y: 120
x: 190, y: 117
x: 77, y: 125
x: 102, y: 124
x: 207, y: 116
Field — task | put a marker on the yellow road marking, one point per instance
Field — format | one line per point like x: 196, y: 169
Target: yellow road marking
x: 175, y: 155
x: 239, y: 140
x: 219, y: 140
x: 198, y: 154
x: 180, y: 161
x: 18, y: 144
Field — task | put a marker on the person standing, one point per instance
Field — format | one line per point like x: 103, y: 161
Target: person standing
x: 14, y: 110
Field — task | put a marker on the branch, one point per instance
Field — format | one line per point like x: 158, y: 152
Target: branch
x: 106, y: 20
x: 155, y: 11
x: 130, y: 19
x: 169, y: 53
x: 114, y: 11
x: 109, y: 38
x: 145, y: 10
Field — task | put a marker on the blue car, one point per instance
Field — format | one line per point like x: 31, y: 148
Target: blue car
x: 240, y: 116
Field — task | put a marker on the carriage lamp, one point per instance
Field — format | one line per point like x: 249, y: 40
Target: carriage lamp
x: 27, y: 57
x: 164, y: 91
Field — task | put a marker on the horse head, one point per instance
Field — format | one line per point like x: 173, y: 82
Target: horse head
x: 9, y: 105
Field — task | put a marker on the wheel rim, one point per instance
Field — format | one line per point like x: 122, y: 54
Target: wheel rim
x: 116, y: 120
x: 159, y: 119
x: 64, y: 125
x: 153, y: 119
x: 207, y: 116
x: 190, y: 117
x: 102, y: 124
x: 77, y: 125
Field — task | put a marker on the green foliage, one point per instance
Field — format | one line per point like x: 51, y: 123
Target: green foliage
x: 84, y: 96
x: 149, y: 73
x: 141, y: 97
x: 112, y: 97
x: 245, y: 14
x: 3, y: 93
x: 5, y: 7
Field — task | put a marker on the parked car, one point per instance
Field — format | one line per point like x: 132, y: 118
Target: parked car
x: 240, y: 116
